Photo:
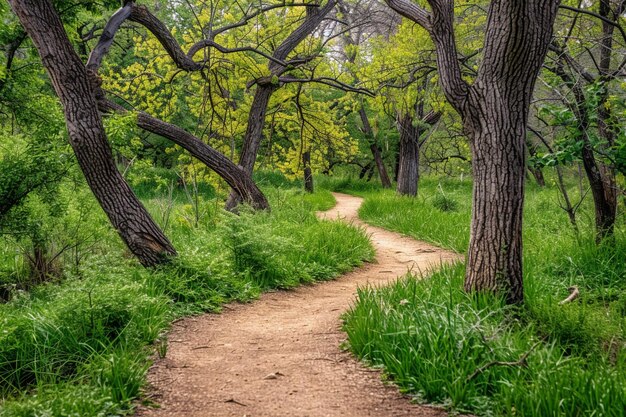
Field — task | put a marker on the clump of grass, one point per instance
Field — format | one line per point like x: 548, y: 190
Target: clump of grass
x: 292, y: 247
x: 346, y: 184
x: 445, y: 203
x: 444, y: 346
x: 416, y: 217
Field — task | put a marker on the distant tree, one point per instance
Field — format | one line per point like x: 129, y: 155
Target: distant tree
x: 585, y: 62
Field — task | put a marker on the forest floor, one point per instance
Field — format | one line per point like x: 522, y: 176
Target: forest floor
x: 281, y: 355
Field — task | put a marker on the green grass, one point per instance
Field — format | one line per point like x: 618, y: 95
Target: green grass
x: 431, y: 337
x: 80, y: 345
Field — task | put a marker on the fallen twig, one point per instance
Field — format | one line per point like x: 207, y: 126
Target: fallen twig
x: 574, y: 294
x: 520, y: 362
x: 234, y: 401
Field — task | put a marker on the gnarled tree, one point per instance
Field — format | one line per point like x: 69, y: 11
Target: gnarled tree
x: 86, y: 132
x: 494, y: 109
x: 265, y: 87
x: 240, y: 181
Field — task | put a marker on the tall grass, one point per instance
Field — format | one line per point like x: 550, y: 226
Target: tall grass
x: 443, y: 346
x: 80, y: 346
x: 446, y: 347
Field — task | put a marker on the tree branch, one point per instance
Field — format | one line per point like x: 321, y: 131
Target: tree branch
x: 332, y: 82
x: 522, y: 361
x: 236, y: 177
x: 108, y: 35
x: 412, y: 12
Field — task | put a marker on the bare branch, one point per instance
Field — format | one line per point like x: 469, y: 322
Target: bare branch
x: 332, y: 82
x: 107, y: 37
x: 574, y: 294
x: 522, y: 361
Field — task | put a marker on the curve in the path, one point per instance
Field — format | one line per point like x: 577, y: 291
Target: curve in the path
x: 280, y: 355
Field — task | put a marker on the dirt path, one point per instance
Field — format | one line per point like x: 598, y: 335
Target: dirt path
x: 280, y: 355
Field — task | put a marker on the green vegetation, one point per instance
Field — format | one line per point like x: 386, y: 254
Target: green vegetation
x: 441, y: 344
x: 79, y: 345
x: 206, y: 93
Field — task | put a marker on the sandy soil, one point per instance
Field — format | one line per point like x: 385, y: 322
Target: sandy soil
x: 281, y: 355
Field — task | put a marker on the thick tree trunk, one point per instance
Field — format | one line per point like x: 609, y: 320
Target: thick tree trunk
x: 87, y: 137
x: 495, y: 112
x: 378, y: 159
x: 498, y: 163
x: 308, y: 175
x: 408, y: 156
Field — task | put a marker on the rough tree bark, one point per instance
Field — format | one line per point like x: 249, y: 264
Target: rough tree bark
x: 409, y: 149
x: 86, y: 132
x: 494, y: 110
x: 265, y: 88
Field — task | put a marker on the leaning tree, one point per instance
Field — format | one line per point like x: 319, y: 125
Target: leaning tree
x: 86, y: 132
x: 494, y: 110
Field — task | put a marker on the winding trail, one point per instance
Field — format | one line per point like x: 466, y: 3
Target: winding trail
x: 280, y: 355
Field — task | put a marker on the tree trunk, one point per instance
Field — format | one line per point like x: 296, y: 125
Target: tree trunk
x: 534, y: 170
x: 408, y: 156
x: 87, y: 137
x: 604, y: 208
x: 538, y: 176
x: 253, y: 137
x: 495, y: 114
x: 254, y: 130
x: 265, y: 89
x: 378, y: 159
x: 308, y: 175
x: 498, y: 162
x: 380, y: 165
x: 604, y: 115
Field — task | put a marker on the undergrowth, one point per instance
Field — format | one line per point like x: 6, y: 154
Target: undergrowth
x: 79, y: 345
